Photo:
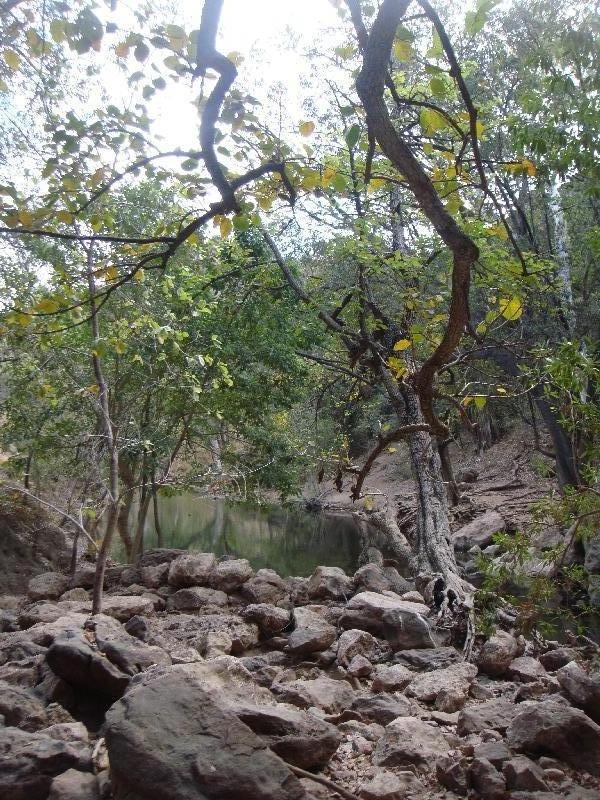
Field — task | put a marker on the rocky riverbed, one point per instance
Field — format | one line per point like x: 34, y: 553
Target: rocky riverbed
x: 203, y: 679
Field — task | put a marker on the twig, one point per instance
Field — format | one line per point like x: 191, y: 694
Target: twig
x: 302, y: 773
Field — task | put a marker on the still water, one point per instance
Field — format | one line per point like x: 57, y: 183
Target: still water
x: 290, y: 541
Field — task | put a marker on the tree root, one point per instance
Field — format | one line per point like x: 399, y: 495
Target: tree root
x: 302, y: 773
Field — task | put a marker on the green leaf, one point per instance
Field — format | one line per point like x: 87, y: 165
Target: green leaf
x: 431, y: 121
x: 352, y: 136
x: 437, y: 87
x: 141, y: 52
x: 12, y: 59
x: 402, y: 50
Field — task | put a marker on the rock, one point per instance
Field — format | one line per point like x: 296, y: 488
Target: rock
x: 215, y: 644
x: 428, y: 659
x: 360, y: 667
x: 83, y: 577
x: 371, y: 578
x: 391, y: 678
x: 300, y: 738
x: 452, y: 772
x: 330, y: 583
x: 159, y: 555
x: 526, y: 669
x: 391, y: 786
x: 195, y: 597
x: 450, y: 700
x: 29, y: 762
x: 582, y: 689
x: 138, y: 627
x: 231, y: 575
x: 408, y: 740
x: 495, y: 714
x: 191, y: 569
x: 355, y: 643
x: 192, y: 630
x: 312, y: 634
x: 479, y: 531
x: 46, y: 612
x: 74, y: 785
x: 398, y: 584
x: 495, y: 752
x: 413, y: 597
x: 406, y: 629
x: 557, y: 658
x: 554, y: 728
x: 73, y: 732
x: 330, y: 695
x: 366, y: 610
x: 21, y: 708
x: 154, y: 576
x: 265, y: 587
x: 486, y: 780
x: 48, y: 585
x: 123, y: 607
x: 497, y: 653
x: 457, y: 677
x: 270, y: 619
x: 522, y: 773
x: 382, y: 708
x: 79, y: 594
x: 198, y: 751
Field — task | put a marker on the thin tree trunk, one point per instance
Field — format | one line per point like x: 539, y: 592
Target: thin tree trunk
x: 448, y: 473
x: 561, y: 253
x: 138, y: 542
x: 157, y: 525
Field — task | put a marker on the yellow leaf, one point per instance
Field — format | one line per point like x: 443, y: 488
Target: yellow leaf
x: 265, y: 203
x: 392, y: 449
x: 111, y: 273
x: 403, y: 50
x: 329, y: 174
x: 368, y: 504
x: 23, y: 319
x: 402, y: 344
x: 93, y: 388
x: 466, y: 400
x: 47, y: 306
x: 12, y: 59
x: 480, y: 401
x: 375, y: 183
x: 528, y: 167
x: 398, y: 367
x: 120, y: 346
x: 306, y: 128
x: 225, y: 227
x: 26, y: 218
x: 500, y: 389
x: 139, y: 275
x: 122, y: 50
x: 65, y: 216
x: 235, y: 58
x: 510, y: 307
x: 499, y: 231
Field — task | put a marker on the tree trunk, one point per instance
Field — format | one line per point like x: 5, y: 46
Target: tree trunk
x: 157, y: 526
x: 138, y: 542
x: 434, y: 551
x: 448, y: 473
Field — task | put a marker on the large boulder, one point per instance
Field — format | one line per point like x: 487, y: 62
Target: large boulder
x: 21, y: 708
x: 366, y: 610
x: 392, y: 678
x: 47, y: 586
x: 382, y: 708
x: 496, y: 714
x: 405, y: 629
x: 191, y: 569
x: 311, y: 635
x: 479, y: 531
x: 330, y: 695
x: 583, y: 690
x: 265, y: 587
x: 159, y: 555
x: 497, y: 654
x: 195, y: 597
x: 408, y: 740
x: 330, y: 583
x: 371, y: 578
x: 551, y: 727
x: 198, y: 751
x: 75, y: 785
x: 270, y: 619
x: 230, y: 575
x: 355, y: 643
x: 29, y: 762
x: 123, y: 607
x: 300, y: 738
x: 456, y: 678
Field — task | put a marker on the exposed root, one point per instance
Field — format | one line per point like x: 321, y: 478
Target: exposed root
x: 302, y: 773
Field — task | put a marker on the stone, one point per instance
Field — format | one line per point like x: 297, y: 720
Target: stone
x: 196, y: 597
x: 197, y: 751
x: 360, y: 667
x: 330, y: 695
x: 486, y: 780
x: 311, y: 635
x: 391, y: 678
x: 495, y: 752
x: 191, y: 569
x: 427, y: 686
x: 159, y: 555
x: 371, y: 578
x: 21, y: 708
x: 215, y: 644
x: 74, y: 785
x: 554, y: 728
x: 47, y: 612
x: 29, y: 762
x: 83, y: 577
x: 382, y: 708
x: 526, y: 669
x: 230, y: 575
x: 496, y: 714
x: 265, y: 587
x: 330, y: 583
x: 47, y: 586
x: 79, y: 594
x: 355, y: 643
x: 155, y: 575
x: 479, y: 531
x: 192, y: 630
x: 408, y: 740
x: 450, y: 700
x: 73, y: 732
x: 413, y: 597
x: 557, y: 658
x: 138, y: 627
x: 497, y: 653
x: 428, y: 659
x: 406, y: 629
x: 270, y: 619
x: 300, y: 738
x: 452, y: 772
x: 582, y: 689
x: 387, y: 785
x: 123, y: 607
x: 523, y: 773
x: 366, y: 610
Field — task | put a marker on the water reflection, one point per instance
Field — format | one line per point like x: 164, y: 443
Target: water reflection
x: 290, y: 541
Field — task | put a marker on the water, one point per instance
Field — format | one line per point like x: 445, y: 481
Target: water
x: 290, y: 541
